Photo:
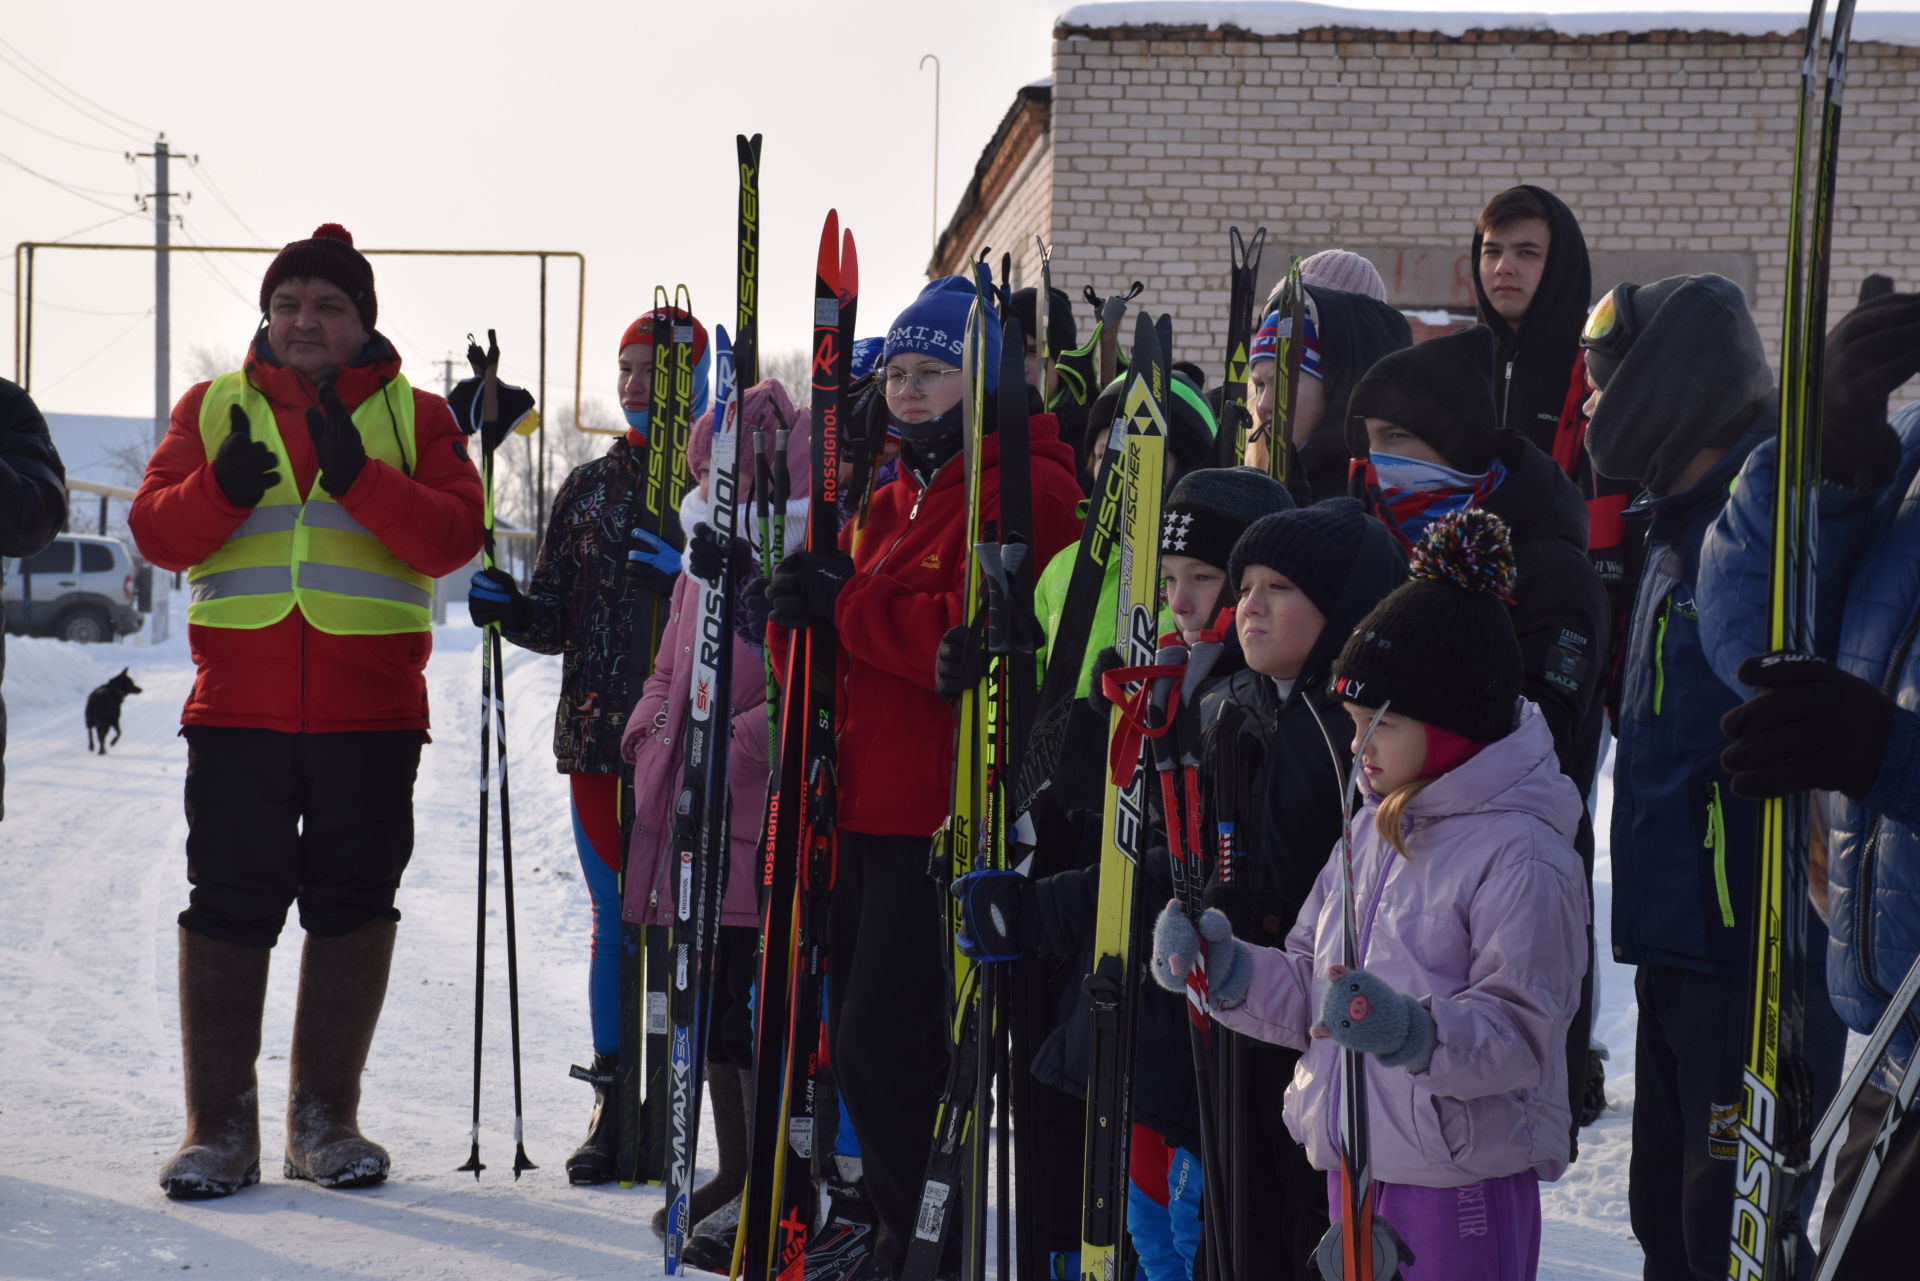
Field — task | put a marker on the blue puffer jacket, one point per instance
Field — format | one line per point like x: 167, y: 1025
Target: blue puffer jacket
x: 1869, y: 604
x: 1682, y: 842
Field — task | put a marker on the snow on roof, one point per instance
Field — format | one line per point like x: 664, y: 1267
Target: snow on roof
x: 1288, y: 17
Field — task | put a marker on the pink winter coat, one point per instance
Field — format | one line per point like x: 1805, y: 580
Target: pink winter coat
x: 654, y: 739
x: 1486, y: 925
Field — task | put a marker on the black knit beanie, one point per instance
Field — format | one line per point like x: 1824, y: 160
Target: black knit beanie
x: 1059, y: 317
x: 1441, y: 647
x: 1441, y: 390
x: 327, y: 255
x: 1312, y: 546
x: 1209, y: 509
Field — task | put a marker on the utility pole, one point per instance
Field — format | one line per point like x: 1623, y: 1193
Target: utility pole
x: 446, y: 375
x: 934, y: 58
x: 162, y: 279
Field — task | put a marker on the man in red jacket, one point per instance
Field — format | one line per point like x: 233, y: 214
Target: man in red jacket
x: 311, y: 497
x: 891, y: 601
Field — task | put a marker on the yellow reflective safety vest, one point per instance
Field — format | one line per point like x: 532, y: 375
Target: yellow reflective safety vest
x: 311, y: 553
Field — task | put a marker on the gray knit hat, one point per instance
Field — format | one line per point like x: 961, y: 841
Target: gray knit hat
x: 1346, y: 271
x: 1209, y: 510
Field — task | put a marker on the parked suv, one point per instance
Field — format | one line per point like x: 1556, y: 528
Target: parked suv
x: 79, y: 588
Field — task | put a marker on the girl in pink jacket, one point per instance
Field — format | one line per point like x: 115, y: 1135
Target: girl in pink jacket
x: 652, y: 744
x: 1470, y: 918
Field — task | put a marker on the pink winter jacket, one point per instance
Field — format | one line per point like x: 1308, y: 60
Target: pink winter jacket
x: 1486, y: 925
x: 654, y: 744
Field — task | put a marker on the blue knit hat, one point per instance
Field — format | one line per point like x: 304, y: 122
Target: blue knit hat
x: 866, y: 356
x: 935, y: 324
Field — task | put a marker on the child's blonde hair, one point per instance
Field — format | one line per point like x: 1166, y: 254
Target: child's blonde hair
x: 1389, y: 819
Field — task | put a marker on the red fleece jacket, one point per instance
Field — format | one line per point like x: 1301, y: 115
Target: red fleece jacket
x: 292, y: 676
x: 895, y: 739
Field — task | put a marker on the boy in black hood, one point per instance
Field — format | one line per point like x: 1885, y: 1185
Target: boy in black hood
x: 1423, y: 436
x: 1532, y: 284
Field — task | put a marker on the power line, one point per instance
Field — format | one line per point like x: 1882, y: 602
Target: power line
x: 76, y: 192
x: 37, y: 69
x: 118, y: 338
x: 72, y: 142
x: 211, y: 268
x: 104, y: 222
x: 226, y: 204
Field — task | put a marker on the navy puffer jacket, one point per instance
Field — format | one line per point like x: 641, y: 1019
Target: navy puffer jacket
x: 1868, y: 597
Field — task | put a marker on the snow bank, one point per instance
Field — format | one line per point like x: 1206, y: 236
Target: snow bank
x: 48, y: 673
x: 1285, y: 17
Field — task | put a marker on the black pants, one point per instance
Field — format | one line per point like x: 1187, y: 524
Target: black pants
x: 886, y: 1015
x: 1882, y: 1241
x: 1686, y: 1112
x: 730, y: 1008
x: 325, y: 820
x: 1285, y: 1204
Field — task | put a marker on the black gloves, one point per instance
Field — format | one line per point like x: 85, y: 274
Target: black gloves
x: 1810, y: 726
x: 708, y: 551
x: 244, y: 468
x: 493, y: 597
x: 805, y: 585
x: 336, y: 442
x: 1870, y: 353
x: 1105, y: 661
x: 961, y: 663
x: 750, y: 612
x: 992, y: 914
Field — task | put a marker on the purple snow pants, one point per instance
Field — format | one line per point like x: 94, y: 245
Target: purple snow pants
x: 1489, y: 1231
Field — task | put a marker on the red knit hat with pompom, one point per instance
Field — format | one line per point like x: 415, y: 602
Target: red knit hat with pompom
x: 328, y: 255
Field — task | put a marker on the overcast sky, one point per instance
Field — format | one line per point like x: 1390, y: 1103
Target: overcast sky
x: 606, y: 128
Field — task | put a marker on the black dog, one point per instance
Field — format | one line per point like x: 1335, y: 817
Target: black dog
x: 103, y: 709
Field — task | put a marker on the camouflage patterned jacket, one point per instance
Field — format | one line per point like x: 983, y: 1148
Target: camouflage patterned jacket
x: 590, y: 609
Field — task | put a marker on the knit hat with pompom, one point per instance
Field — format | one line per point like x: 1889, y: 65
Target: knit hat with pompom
x: 1441, y: 647
x: 327, y: 255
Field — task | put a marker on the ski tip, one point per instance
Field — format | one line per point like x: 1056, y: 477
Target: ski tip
x: 849, y: 267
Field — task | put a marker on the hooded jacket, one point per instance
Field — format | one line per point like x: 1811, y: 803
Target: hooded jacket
x: 1355, y: 331
x: 893, y: 733
x: 1560, y: 607
x: 291, y: 676
x: 1536, y: 367
x: 1681, y: 842
x: 1869, y: 573
x: 1484, y: 924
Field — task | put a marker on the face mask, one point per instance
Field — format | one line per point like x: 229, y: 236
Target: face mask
x: 637, y: 421
x: 1417, y: 476
x: 1417, y: 493
x: 930, y: 432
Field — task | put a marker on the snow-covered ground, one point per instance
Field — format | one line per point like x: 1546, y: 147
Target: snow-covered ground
x: 92, y: 873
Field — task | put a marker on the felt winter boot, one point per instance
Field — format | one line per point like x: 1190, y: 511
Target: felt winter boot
x: 726, y: 1092
x: 343, y: 983
x: 223, y: 987
x: 592, y: 1162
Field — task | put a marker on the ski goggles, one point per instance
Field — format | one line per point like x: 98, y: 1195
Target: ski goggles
x: 1610, y: 329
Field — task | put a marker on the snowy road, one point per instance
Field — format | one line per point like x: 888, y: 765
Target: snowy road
x: 92, y: 865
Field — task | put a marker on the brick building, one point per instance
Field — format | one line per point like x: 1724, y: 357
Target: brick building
x: 1346, y: 128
